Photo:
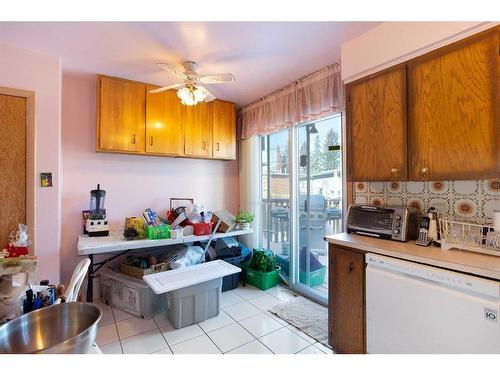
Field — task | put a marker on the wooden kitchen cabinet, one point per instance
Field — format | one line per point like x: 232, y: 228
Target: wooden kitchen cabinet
x: 224, y: 130
x: 453, y: 119
x: 346, y: 300
x: 376, y: 127
x: 121, y: 113
x: 198, y: 130
x: 130, y: 119
x: 164, y: 125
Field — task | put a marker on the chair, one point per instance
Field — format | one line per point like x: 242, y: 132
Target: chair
x: 71, y: 294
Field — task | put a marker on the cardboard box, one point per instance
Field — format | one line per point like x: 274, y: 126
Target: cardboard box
x: 228, y: 221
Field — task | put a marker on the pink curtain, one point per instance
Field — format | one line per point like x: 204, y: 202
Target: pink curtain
x: 316, y: 95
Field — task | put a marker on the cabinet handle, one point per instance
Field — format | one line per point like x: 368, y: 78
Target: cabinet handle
x: 218, y: 146
x: 351, y: 267
x: 424, y: 172
x: 151, y: 140
x: 133, y: 139
x: 204, y: 145
x: 395, y: 171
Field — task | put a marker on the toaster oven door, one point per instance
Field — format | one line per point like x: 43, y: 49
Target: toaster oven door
x: 369, y: 220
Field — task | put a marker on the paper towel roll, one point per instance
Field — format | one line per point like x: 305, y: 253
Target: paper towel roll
x: 496, y: 220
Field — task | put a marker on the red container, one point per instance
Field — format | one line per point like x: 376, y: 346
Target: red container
x: 202, y: 229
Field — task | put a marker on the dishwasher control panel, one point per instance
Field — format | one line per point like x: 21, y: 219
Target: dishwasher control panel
x: 451, y: 278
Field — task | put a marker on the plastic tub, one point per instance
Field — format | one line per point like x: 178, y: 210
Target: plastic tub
x: 231, y: 281
x: 193, y: 304
x: 129, y: 294
x: 261, y: 280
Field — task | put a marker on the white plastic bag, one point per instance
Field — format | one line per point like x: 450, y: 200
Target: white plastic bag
x: 186, y: 256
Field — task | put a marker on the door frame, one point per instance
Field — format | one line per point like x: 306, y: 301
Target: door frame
x: 30, y: 156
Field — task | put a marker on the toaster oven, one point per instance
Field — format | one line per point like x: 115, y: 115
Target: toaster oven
x: 389, y: 222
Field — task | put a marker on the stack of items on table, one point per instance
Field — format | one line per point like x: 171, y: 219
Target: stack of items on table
x: 122, y: 286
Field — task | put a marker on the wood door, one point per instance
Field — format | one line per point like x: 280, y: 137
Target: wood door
x: 376, y: 127
x: 346, y: 300
x: 164, y: 126
x: 454, y: 130
x: 121, y: 115
x: 13, y: 162
x: 224, y: 130
x: 198, y: 130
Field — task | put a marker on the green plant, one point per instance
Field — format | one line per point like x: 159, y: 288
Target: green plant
x: 245, y: 217
x: 263, y: 260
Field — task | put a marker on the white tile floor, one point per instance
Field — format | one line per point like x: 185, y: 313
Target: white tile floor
x: 244, y: 326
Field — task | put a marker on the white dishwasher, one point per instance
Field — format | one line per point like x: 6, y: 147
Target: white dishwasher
x: 413, y: 308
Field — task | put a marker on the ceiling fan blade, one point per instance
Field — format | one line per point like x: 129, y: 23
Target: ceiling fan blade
x: 208, y: 95
x: 170, y: 68
x: 164, y: 88
x: 217, y: 78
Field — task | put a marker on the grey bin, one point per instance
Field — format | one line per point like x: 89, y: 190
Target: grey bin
x: 193, y: 304
x: 129, y: 294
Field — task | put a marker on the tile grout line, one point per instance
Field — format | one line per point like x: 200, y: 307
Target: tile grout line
x: 251, y: 332
x: 206, y: 334
x: 164, y: 339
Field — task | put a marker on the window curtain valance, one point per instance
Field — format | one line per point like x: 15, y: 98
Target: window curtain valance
x: 316, y: 95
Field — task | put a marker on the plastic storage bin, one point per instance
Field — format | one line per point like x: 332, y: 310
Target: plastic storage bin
x: 262, y: 280
x: 193, y: 304
x: 316, y: 277
x: 160, y: 232
x: 231, y: 281
x: 129, y: 294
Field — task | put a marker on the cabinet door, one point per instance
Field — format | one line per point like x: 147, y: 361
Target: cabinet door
x: 376, y: 127
x: 121, y: 115
x: 224, y: 130
x: 346, y: 300
x: 198, y: 130
x: 453, y: 111
x: 164, y: 126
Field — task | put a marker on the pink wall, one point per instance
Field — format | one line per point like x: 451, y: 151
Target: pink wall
x: 132, y: 182
x: 26, y: 70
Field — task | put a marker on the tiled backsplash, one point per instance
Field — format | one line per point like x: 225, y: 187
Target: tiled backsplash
x: 472, y: 201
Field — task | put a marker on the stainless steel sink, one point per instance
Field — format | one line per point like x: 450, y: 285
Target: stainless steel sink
x: 62, y: 328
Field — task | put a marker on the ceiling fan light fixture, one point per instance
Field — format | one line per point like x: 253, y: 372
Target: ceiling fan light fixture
x: 190, y: 95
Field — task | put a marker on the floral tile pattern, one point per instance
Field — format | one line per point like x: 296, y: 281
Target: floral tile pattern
x: 472, y: 201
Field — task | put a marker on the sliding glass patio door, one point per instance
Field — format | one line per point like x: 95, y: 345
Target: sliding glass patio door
x: 301, y: 200
x: 319, y: 209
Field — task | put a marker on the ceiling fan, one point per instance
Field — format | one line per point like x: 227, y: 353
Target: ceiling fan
x: 190, y: 92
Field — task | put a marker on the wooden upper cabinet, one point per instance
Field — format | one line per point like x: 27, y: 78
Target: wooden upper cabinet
x: 224, y: 130
x: 376, y: 127
x: 453, y: 106
x: 121, y: 113
x: 198, y: 130
x: 164, y: 125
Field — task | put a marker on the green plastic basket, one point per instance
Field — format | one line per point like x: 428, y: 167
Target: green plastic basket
x: 261, y: 280
x: 160, y: 232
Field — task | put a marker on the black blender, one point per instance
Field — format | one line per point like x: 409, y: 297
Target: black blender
x: 97, y: 224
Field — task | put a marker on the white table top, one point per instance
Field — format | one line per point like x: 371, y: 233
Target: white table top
x: 116, y: 242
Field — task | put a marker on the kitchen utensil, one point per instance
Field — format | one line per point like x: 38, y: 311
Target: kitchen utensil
x: 57, y: 329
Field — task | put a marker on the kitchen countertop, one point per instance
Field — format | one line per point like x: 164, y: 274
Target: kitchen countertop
x: 453, y: 259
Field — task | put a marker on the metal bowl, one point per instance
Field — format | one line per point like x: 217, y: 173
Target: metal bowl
x: 62, y: 328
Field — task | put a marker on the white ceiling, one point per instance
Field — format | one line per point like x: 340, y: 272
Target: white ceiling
x: 264, y: 56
